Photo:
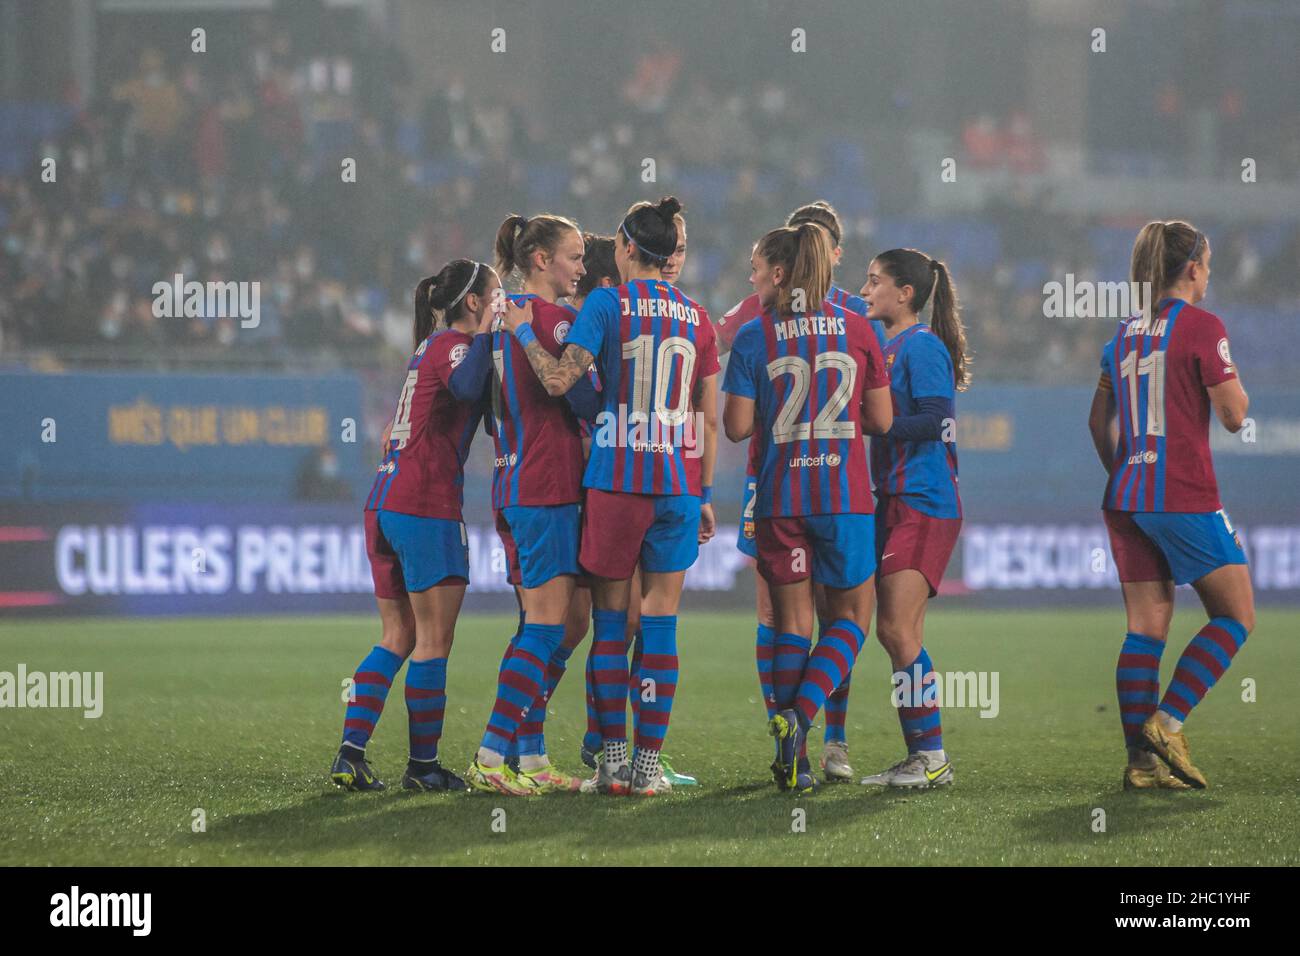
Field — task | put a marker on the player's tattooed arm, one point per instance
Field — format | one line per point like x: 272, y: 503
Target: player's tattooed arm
x: 556, y: 376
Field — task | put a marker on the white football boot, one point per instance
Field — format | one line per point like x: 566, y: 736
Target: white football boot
x: 835, y: 762
x: 918, y: 771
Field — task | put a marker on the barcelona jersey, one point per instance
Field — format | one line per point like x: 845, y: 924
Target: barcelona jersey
x: 538, y: 441
x: 653, y: 345
x: 807, y: 375
x: 1158, y: 372
x: 922, y: 473
x: 423, y: 472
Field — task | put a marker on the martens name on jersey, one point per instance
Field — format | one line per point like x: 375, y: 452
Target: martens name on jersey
x: 809, y: 325
x: 661, y: 308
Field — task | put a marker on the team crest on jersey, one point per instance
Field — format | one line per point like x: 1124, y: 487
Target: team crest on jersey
x: 1224, y: 353
x: 889, y: 361
x: 458, y: 353
x: 561, y: 332
x: 423, y: 345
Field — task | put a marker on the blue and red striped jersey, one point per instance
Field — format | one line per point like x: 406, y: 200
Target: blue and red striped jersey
x: 748, y: 308
x: 584, y: 427
x: 808, y: 375
x: 1158, y: 373
x: 538, y: 441
x: 653, y: 345
x: 923, y: 473
x: 423, y: 471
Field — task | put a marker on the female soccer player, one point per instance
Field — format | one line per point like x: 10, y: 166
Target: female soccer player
x: 602, y: 273
x: 670, y: 273
x: 914, y: 467
x: 835, y: 747
x: 807, y: 381
x: 415, y: 537
x: 649, y: 475
x: 1161, y: 375
x: 536, y: 490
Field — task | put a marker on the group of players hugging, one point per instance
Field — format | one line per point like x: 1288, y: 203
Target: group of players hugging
x: 598, y: 381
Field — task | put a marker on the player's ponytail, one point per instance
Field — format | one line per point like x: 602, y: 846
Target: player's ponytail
x: 929, y: 277
x: 440, y: 299
x: 805, y: 253
x: 1161, y: 252
x: 945, y: 320
x: 505, y: 244
x: 519, y: 237
x: 653, y: 228
x: 425, y: 319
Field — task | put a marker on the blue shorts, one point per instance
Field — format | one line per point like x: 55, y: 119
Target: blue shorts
x: 621, y: 528
x: 409, y: 553
x: 541, y: 542
x: 839, y: 551
x: 746, y: 540
x: 1193, y: 544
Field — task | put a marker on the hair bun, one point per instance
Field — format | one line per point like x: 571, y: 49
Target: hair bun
x: 668, y: 207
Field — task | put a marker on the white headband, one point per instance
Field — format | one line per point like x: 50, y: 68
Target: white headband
x: 468, y: 285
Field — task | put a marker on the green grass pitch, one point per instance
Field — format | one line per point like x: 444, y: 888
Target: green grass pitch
x: 241, y: 717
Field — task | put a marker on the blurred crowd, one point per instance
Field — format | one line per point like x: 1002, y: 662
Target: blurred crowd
x: 220, y: 171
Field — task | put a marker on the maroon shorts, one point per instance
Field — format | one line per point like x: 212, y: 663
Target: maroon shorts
x: 907, y: 539
x: 1136, y: 556
x: 834, y: 549
x: 620, y: 528
x: 384, y: 566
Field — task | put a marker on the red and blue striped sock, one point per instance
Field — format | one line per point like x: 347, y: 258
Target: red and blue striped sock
x: 1137, y: 683
x: 789, y: 656
x: 764, y: 651
x: 658, y: 664
x: 513, y: 749
x: 830, y: 662
x: 426, y: 701
x: 837, y: 712
x: 609, y: 672
x: 530, y: 741
x: 1202, y: 664
x: 918, y: 711
x: 592, y: 739
x: 370, y: 686
x: 636, y: 646
x: 522, y: 680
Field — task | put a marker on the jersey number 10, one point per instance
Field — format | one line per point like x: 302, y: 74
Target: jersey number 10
x: 639, y: 352
x: 826, y: 424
